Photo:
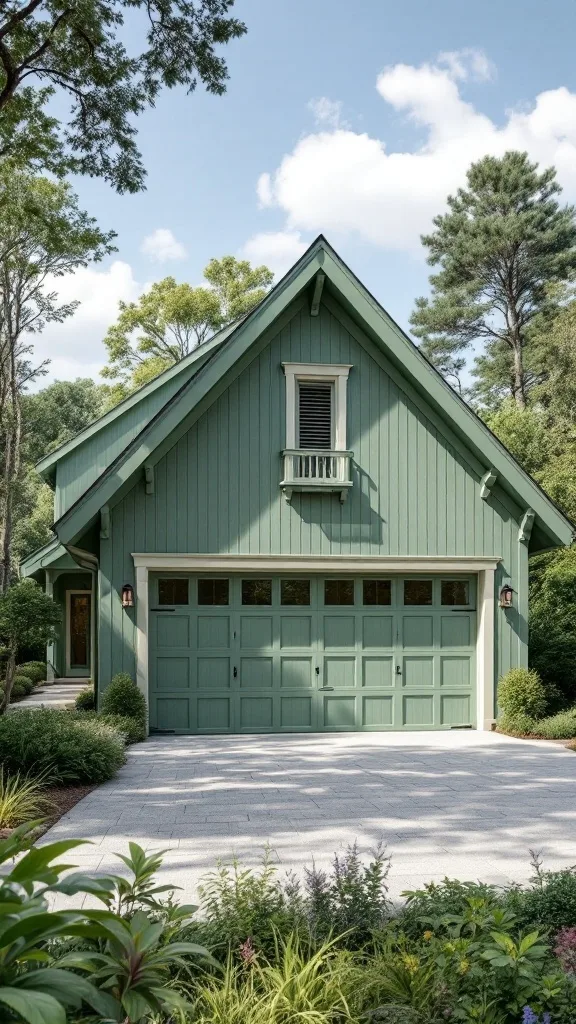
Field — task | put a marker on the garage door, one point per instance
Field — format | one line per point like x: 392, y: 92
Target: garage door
x: 293, y: 654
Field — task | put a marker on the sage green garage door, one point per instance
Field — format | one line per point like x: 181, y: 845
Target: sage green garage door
x: 293, y: 654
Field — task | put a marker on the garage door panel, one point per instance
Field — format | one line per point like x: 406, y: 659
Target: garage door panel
x: 418, y: 630
x: 173, y: 713
x: 213, y: 632
x: 213, y: 673
x: 256, y: 631
x: 455, y: 710
x: 340, y: 713
x: 214, y: 714
x: 455, y: 671
x: 339, y: 631
x: 296, y: 672
x: 455, y: 631
x: 418, y: 710
x: 296, y: 631
x: 172, y: 673
x: 339, y: 672
x: 296, y: 712
x: 377, y: 631
x: 172, y: 630
x: 418, y: 671
x: 377, y: 672
x: 377, y: 711
x: 256, y: 713
x: 256, y: 673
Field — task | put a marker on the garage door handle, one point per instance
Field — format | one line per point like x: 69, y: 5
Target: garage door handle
x: 325, y: 687
x: 235, y: 672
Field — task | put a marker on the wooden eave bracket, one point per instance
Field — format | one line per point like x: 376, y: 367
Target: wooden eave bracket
x: 317, y: 293
x: 104, y: 522
x: 526, y: 524
x: 149, y: 478
x: 487, y: 483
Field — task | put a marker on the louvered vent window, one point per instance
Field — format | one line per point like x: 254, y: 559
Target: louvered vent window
x: 315, y: 414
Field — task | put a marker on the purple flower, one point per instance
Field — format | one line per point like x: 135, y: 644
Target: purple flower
x: 528, y: 1016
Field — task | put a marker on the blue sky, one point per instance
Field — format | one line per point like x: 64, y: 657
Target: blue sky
x: 351, y: 119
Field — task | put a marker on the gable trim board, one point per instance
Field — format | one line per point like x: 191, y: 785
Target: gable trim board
x: 483, y: 568
x: 172, y: 420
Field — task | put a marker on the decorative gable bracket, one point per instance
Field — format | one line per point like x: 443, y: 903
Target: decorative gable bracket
x: 526, y: 524
x: 487, y: 483
x: 149, y: 478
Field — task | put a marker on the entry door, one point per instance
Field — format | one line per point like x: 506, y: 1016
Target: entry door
x: 78, y: 636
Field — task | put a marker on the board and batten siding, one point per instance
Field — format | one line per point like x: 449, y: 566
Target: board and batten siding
x: 217, y: 489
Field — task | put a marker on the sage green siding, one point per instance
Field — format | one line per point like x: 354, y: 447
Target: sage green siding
x: 415, y: 493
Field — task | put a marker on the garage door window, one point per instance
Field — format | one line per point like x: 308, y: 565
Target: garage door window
x: 455, y: 592
x: 295, y: 592
x: 213, y: 591
x: 256, y: 591
x: 377, y: 591
x: 418, y: 592
x: 338, y: 591
x: 172, y: 591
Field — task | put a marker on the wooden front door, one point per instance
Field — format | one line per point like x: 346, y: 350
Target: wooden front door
x: 79, y: 615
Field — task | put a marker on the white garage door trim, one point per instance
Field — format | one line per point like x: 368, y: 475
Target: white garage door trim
x: 483, y: 567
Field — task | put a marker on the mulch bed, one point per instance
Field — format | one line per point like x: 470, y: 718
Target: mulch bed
x: 63, y: 798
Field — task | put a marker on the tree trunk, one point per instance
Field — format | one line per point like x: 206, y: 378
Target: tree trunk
x: 8, y: 682
x: 10, y: 441
x: 518, y: 377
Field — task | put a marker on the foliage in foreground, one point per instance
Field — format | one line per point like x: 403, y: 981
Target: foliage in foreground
x: 464, y: 952
x: 21, y: 799
x: 71, y: 748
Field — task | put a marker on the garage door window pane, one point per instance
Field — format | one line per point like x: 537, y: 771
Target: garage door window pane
x: 256, y: 591
x: 338, y: 591
x: 377, y: 591
x: 418, y: 592
x: 172, y: 591
x: 295, y: 592
x: 455, y: 592
x: 213, y: 591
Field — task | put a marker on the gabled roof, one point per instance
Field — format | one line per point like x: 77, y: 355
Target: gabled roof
x: 46, y: 465
x: 53, y: 554
x: 161, y: 432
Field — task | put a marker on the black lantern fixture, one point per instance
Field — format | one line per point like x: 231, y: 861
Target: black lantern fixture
x: 506, y: 596
x: 127, y: 596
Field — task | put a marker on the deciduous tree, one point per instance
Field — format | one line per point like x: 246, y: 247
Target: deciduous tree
x: 105, y: 62
x: 28, y: 618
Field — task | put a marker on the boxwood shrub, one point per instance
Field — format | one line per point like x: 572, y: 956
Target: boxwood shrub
x: 122, y: 697
x: 70, y: 747
x: 35, y: 670
x: 522, y: 692
x: 132, y: 729
x: 85, y: 701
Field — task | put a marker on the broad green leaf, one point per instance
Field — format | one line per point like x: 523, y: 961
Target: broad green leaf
x: 34, y: 1007
x: 136, y: 1005
x: 40, y: 857
x: 69, y: 989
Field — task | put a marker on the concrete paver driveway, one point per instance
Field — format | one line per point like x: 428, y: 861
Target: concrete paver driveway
x: 464, y: 804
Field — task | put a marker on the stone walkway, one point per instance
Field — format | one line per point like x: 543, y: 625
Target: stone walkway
x: 57, y: 695
x: 464, y: 804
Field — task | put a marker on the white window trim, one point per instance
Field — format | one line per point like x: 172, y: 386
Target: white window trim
x: 334, y: 373
x: 485, y: 568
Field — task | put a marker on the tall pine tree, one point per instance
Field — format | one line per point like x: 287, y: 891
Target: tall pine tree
x: 504, y: 240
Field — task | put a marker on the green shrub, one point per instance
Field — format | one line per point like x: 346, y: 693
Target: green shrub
x: 132, y: 730
x: 521, y: 692
x: 549, y: 903
x: 71, y: 747
x: 18, y: 691
x: 35, y: 670
x: 553, y: 619
x: 23, y: 682
x: 518, y: 725
x: 558, y: 727
x: 122, y: 697
x: 85, y: 701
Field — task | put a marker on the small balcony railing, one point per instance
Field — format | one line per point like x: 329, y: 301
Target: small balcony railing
x: 316, y: 470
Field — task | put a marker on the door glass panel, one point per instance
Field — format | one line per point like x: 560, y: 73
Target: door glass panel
x: 417, y: 591
x: 338, y: 591
x: 256, y: 591
x: 295, y: 592
x: 79, y: 630
x: 455, y: 592
x: 377, y: 591
x: 213, y: 591
x: 171, y: 591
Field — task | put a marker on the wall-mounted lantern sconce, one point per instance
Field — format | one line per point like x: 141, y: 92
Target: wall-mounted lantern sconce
x: 506, y: 596
x: 127, y: 596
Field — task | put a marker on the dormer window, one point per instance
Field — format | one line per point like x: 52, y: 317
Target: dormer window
x: 316, y: 457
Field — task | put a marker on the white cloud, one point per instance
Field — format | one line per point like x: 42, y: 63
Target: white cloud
x: 468, y: 63
x: 161, y: 246
x: 327, y: 112
x: 343, y: 181
x: 75, y: 348
x: 278, y: 250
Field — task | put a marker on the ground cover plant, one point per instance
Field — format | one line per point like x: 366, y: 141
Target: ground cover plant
x: 122, y: 707
x: 530, y: 708
x: 455, y: 951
